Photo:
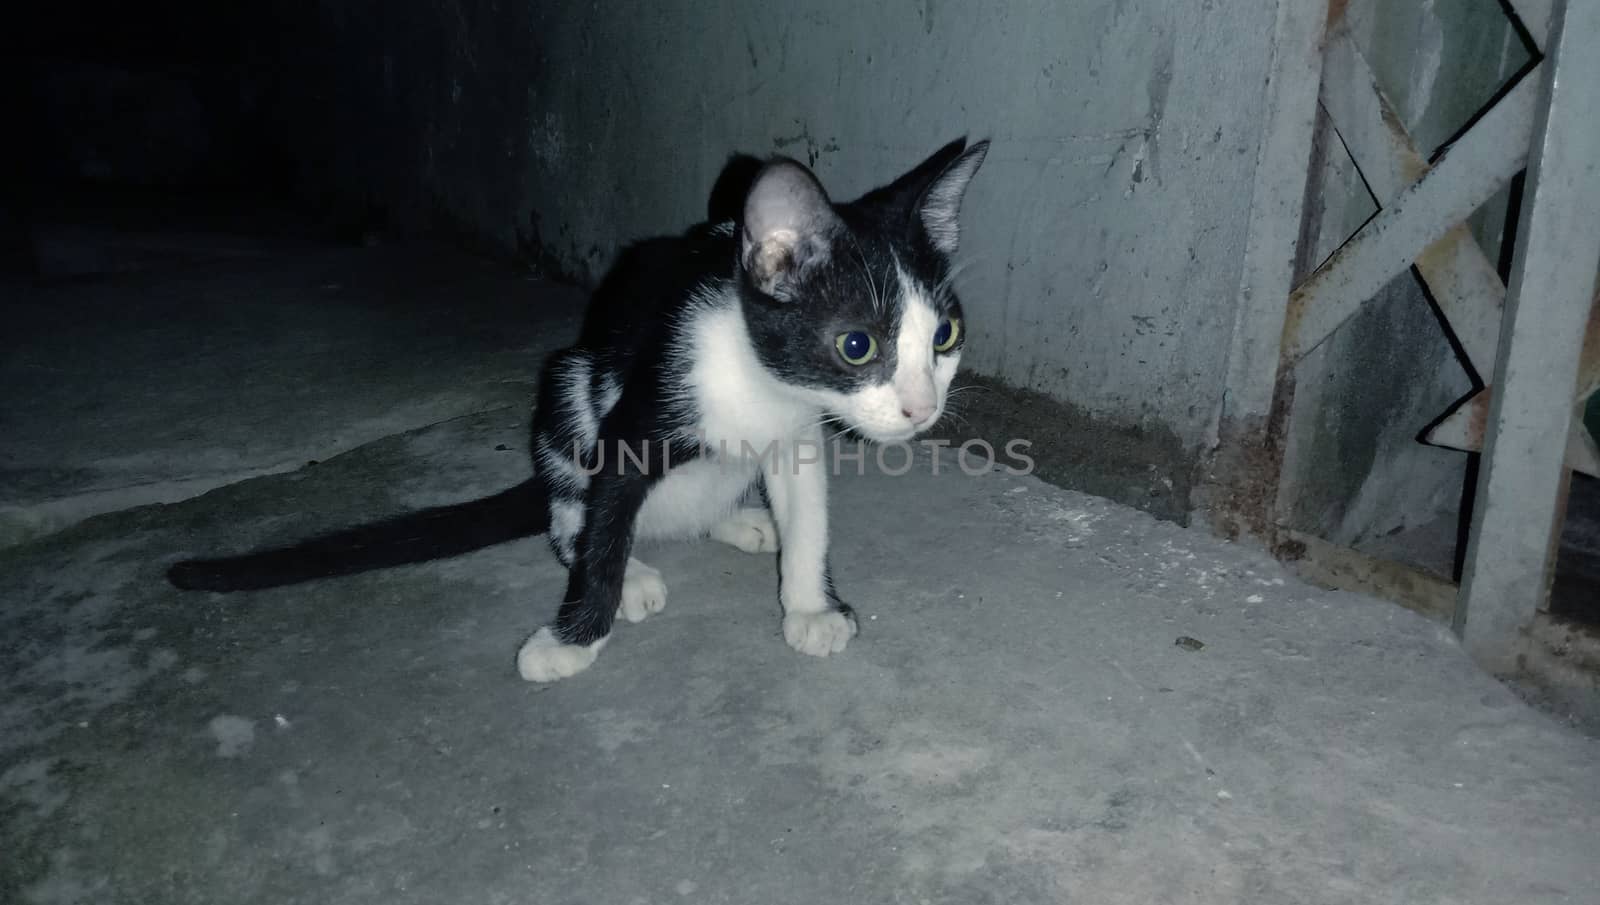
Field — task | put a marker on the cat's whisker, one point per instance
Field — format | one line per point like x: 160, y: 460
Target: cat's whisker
x: 945, y: 285
x: 837, y: 434
x: 957, y: 419
x: 957, y: 391
x: 801, y: 431
x: 878, y: 294
x: 949, y: 279
x: 872, y: 285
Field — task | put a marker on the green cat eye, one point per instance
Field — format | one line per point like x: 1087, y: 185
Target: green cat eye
x: 856, y: 347
x: 948, y: 334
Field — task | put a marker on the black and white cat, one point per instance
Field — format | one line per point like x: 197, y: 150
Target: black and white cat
x: 706, y: 369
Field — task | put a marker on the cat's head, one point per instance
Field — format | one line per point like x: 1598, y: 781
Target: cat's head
x: 851, y: 305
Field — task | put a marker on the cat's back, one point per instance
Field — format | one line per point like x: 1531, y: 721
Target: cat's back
x: 650, y: 283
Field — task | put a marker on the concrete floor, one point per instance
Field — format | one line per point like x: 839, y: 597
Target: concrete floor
x: 1016, y: 723
x: 153, y: 366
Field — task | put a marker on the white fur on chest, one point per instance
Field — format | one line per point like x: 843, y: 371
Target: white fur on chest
x: 745, y: 420
x: 742, y: 408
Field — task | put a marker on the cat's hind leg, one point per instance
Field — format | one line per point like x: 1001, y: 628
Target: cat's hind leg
x: 604, y: 583
x: 750, y: 529
x: 583, y: 625
x: 603, y: 580
x: 643, y: 592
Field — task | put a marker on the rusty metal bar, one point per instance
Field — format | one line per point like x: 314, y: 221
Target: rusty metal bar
x: 1464, y: 428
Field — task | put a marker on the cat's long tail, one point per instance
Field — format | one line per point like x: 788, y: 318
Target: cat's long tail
x: 427, y: 534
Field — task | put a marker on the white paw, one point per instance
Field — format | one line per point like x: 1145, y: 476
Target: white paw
x: 643, y: 592
x: 751, y: 530
x: 818, y: 634
x: 543, y: 658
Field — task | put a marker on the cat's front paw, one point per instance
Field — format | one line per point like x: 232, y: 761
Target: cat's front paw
x: 819, y: 634
x: 643, y: 592
x: 751, y: 530
x: 546, y: 658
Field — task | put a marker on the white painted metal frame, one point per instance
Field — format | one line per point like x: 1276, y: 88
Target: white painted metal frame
x: 1516, y: 523
x: 1534, y: 338
x: 1460, y: 276
x: 1276, y: 204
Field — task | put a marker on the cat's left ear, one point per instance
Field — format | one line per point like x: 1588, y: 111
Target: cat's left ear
x: 939, y: 206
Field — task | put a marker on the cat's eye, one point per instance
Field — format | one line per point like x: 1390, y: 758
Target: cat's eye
x: 856, y: 347
x: 948, y: 334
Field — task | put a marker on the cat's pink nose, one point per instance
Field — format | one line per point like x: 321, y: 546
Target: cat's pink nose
x: 917, y: 413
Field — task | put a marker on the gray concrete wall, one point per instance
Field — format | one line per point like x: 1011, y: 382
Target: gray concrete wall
x: 1105, y: 233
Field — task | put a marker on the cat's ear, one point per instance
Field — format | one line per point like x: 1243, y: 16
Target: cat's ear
x: 787, y: 223
x: 939, y: 206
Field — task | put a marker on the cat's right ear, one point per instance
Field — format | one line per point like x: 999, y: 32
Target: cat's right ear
x: 787, y: 223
